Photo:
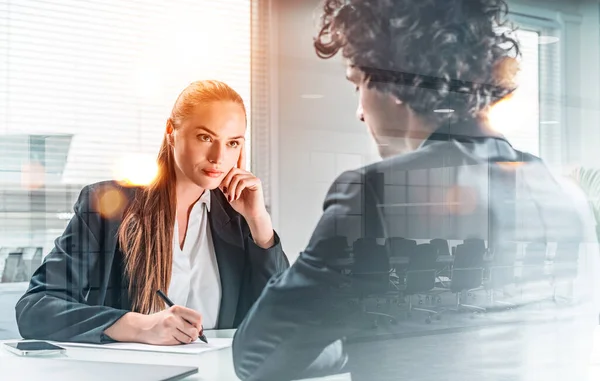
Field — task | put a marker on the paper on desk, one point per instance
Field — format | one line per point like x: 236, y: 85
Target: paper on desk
x: 194, y: 348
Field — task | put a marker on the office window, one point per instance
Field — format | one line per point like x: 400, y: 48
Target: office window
x: 530, y: 118
x: 518, y: 117
x: 85, y: 90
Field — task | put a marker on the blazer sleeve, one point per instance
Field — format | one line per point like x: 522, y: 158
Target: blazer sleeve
x: 295, y: 329
x: 264, y: 264
x: 54, y: 306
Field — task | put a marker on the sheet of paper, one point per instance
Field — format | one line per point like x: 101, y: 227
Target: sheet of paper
x: 196, y: 347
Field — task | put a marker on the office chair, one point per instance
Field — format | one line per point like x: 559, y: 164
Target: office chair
x: 400, y: 247
x: 467, y: 274
x: 534, y: 263
x: 420, y: 279
x: 338, y: 252
x: 443, y: 250
x: 565, y: 268
x: 363, y: 245
x: 335, y: 247
x: 478, y: 243
x: 32, y: 259
x: 370, y: 277
x: 501, y: 271
x: 14, y: 269
x: 441, y: 245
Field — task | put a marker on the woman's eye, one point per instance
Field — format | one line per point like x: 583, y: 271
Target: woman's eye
x: 204, y: 138
x: 234, y: 144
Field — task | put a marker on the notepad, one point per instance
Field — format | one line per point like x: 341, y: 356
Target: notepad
x: 194, y: 348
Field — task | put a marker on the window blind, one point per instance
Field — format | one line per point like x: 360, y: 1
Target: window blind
x: 87, y: 85
x: 531, y: 118
x: 517, y: 117
x: 261, y: 95
x: 551, y: 104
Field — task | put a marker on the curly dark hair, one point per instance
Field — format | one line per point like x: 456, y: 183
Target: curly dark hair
x: 431, y: 54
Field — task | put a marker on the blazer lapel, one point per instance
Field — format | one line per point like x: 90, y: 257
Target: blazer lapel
x: 229, y: 251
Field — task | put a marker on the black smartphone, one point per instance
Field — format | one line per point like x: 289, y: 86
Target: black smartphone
x: 33, y: 348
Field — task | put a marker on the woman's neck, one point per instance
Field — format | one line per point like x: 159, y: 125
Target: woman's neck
x: 407, y: 138
x: 187, y: 193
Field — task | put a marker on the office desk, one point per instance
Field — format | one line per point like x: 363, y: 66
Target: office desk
x: 212, y: 366
x: 217, y: 365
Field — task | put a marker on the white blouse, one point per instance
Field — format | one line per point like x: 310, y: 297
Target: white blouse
x: 195, y: 281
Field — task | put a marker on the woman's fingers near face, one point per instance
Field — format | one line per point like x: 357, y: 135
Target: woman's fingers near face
x: 248, y: 182
x: 231, y: 182
x: 242, y: 159
x: 237, y: 185
x: 227, y: 180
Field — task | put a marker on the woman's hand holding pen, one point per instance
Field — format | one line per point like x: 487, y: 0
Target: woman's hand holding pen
x: 244, y: 192
x: 173, y: 326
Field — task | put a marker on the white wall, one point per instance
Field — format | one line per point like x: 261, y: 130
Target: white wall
x: 589, y: 70
x: 319, y: 138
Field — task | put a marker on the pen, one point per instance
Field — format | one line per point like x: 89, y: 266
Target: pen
x: 171, y: 304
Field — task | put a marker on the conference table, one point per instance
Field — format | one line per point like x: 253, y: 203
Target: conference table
x: 214, y: 365
x: 443, y: 260
x: 217, y: 365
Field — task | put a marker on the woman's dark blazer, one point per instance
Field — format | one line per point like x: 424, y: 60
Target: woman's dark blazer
x: 81, y: 289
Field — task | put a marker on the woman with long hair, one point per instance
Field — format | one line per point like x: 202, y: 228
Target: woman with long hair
x: 199, y: 232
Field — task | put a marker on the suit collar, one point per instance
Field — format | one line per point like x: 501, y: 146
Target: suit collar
x: 220, y: 210
x: 463, y: 131
x: 218, y: 207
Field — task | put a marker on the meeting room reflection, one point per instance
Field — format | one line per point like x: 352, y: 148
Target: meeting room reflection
x: 439, y: 238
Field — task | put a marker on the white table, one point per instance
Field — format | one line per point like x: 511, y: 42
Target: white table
x: 212, y: 366
x: 217, y: 365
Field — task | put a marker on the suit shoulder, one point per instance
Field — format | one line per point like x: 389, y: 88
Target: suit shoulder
x: 114, y: 185
x: 108, y: 198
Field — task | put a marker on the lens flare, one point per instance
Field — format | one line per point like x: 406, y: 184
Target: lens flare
x: 461, y: 200
x: 110, y: 202
x: 136, y: 169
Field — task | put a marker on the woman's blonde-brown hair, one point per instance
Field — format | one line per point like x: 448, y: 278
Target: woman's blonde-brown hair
x: 146, y: 234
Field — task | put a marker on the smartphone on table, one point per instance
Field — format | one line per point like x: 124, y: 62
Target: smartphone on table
x: 33, y: 348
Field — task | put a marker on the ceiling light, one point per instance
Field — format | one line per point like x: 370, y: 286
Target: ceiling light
x: 311, y: 96
x: 549, y: 122
x: 546, y: 40
x: 443, y: 111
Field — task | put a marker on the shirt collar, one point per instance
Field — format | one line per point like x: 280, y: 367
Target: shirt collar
x: 205, y: 198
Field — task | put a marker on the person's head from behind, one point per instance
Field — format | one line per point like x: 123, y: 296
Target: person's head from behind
x: 205, y: 134
x: 417, y: 65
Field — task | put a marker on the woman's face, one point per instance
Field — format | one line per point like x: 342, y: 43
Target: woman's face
x: 208, y: 143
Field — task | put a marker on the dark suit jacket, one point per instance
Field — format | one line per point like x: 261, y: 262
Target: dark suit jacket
x: 461, y: 183
x: 80, y: 289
